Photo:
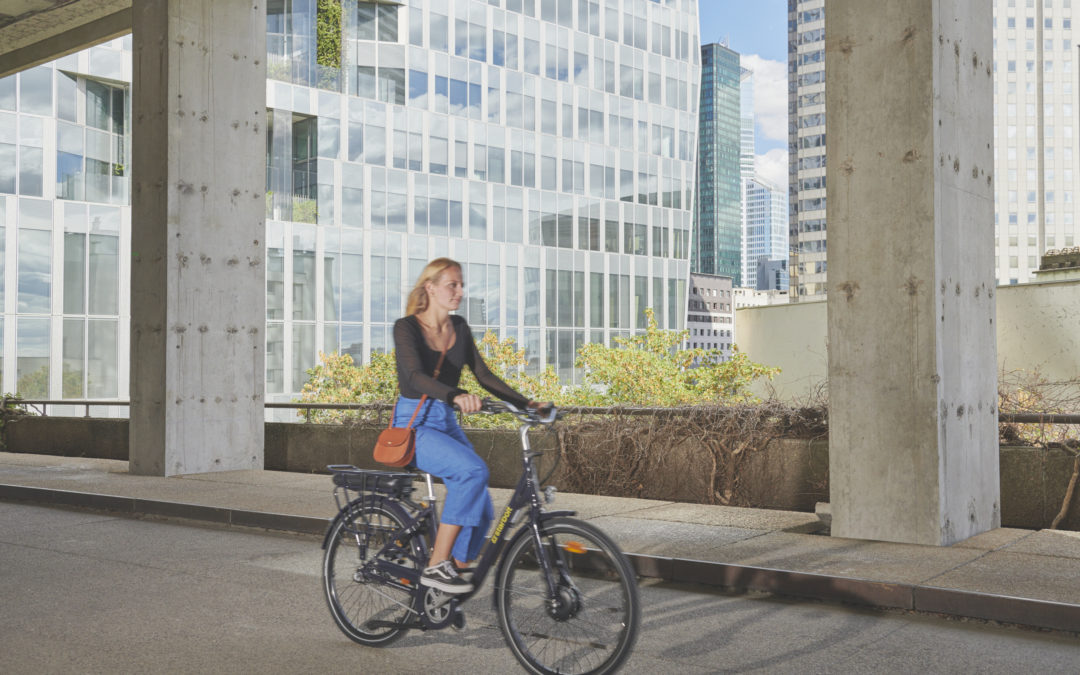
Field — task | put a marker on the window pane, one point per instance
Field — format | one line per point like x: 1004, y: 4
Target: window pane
x: 303, y: 354
x: 101, y: 371
x: 35, y: 91
x: 303, y: 293
x: 97, y: 105
x: 275, y: 358
x: 67, y: 91
x: 352, y: 285
x: 388, y: 29
x: 74, y: 274
x: 275, y: 276
x: 35, y: 271
x: 352, y: 342
x: 331, y: 286
x: 365, y: 21
x: 104, y: 274
x: 7, y: 93
x: 30, y: 171
x: 32, y: 358
x: 72, y: 384
x: 7, y: 168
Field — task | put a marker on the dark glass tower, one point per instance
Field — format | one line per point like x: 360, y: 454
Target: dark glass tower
x: 717, y: 232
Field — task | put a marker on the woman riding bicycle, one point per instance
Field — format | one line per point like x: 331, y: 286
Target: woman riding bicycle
x: 420, y: 339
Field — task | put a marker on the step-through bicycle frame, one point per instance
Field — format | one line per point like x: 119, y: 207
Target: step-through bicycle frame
x: 423, y: 517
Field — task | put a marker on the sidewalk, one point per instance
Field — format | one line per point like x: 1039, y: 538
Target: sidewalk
x: 1015, y: 576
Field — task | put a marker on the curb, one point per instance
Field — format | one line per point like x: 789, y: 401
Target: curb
x: 826, y: 588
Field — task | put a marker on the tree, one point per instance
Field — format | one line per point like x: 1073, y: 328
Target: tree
x: 337, y: 380
x: 508, y: 362
x: 649, y: 369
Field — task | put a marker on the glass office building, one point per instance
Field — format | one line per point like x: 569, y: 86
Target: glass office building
x: 548, y: 145
x: 766, y: 229
x: 718, y: 228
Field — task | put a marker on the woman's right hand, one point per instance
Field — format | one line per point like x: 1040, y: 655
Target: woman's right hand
x: 468, y: 403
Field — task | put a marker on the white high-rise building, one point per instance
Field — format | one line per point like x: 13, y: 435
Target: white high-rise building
x: 1036, y: 137
x: 766, y: 231
x: 1035, y: 134
x: 549, y: 146
x: 806, y: 147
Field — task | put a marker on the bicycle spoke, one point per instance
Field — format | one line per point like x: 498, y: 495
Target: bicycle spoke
x: 358, y: 606
x: 590, y: 624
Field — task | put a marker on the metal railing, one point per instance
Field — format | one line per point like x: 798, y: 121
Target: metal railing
x: 40, y: 406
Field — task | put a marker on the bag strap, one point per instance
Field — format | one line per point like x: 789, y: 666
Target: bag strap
x: 438, y: 367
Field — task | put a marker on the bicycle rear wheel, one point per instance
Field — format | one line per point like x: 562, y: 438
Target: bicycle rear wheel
x: 365, y: 608
x: 591, y: 624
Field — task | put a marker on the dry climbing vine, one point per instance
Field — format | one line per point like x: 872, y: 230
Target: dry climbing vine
x: 622, y: 454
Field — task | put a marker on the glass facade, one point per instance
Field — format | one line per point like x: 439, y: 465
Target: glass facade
x: 718, y: 230
x: 766, y: 228
x: 65, y: 226
x: 548, y: 145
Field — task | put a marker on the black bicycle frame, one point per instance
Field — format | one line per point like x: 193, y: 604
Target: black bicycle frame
x: 526, y: 494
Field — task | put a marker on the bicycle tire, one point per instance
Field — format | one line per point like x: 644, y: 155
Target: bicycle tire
x: 594, y: 627
x: 355, y: 603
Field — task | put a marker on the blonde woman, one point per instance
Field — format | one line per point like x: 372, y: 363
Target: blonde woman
x: 421, y: 338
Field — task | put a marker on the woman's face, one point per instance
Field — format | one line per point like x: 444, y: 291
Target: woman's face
x: 447, y: 289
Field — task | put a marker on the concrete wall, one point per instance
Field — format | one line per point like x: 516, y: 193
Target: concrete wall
x: 1037, y: 329
x: 791, y: 475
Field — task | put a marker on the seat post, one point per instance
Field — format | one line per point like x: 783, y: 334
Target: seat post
x: 430, y: 488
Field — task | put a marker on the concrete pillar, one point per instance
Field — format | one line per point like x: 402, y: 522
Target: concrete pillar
x: 198, y: 209
x: 913, y: 447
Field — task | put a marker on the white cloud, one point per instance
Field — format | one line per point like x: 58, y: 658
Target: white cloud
x: 773, y: 167
x: 770, y: 96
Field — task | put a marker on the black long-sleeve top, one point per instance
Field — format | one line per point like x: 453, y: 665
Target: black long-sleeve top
x: 416, y: 362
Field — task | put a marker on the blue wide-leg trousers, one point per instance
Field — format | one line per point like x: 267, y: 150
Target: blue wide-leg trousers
x: 443, y: 450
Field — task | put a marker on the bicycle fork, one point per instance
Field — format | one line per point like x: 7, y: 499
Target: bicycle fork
x: 563, y: 596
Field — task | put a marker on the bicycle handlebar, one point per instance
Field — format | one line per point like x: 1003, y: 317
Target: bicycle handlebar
x: 543, y: 416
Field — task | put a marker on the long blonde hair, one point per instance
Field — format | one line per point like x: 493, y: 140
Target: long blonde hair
x: 418, y: 297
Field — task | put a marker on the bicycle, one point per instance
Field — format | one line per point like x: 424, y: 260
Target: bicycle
x: 565, y: 596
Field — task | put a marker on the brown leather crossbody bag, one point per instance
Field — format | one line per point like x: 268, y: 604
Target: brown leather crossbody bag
x: 396, y: 446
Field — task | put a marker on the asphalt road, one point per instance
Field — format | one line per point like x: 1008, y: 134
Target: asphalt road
x: 91, y: 593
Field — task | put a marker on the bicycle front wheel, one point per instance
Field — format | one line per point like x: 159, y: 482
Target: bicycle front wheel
x: 591, y: 623
x: 365, y: 608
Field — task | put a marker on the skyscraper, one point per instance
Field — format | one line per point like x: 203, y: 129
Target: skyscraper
x: 806, y: 147
x: 1035, y: 139
x: 766, y: 229
x: 746, y: 123
x: 718, y: 230
x: 549, y: 146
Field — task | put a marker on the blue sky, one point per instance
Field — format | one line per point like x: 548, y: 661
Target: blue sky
x: 758, y: 31
x: 749, y: 27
